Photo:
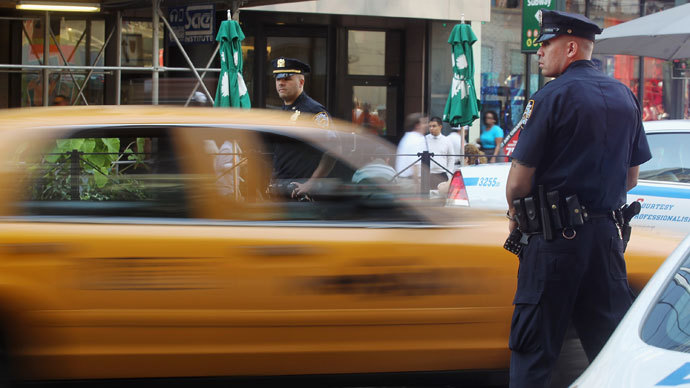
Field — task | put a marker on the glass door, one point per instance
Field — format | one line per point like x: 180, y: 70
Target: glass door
x: 309, y: 45
x: 372, y: 80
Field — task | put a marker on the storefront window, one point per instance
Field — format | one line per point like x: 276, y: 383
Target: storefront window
x: 370, y: 108
x: 503, y: 67
x: 656, y: 89
x: 72, y: 37
x: 575, y: 6
x: 440, y: 72
x: 506, y: 3
x: 659, y: 88
x: 137, y: 51
x: 366, y: 52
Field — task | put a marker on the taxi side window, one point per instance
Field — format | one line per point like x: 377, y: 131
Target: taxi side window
x: 348, y: 193
x: 256, y: 176
x: 670, y: 158
x: 116, y: 172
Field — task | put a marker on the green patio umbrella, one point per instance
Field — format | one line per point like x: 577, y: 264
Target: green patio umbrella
x: 231, y: 91
x: 462, y: 106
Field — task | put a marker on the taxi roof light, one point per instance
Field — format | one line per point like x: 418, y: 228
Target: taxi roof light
x: 457, y: 193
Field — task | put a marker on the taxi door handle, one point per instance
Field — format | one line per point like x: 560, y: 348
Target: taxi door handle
x: 281, y: 250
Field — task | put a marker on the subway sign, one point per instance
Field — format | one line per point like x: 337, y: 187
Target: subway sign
x: 193, y: 24
x: 530, y: 23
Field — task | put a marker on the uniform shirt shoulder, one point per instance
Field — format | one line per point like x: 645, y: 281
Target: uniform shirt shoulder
x: 308, y: 104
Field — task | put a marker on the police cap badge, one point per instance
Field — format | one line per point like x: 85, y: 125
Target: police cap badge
x: 285, y: 67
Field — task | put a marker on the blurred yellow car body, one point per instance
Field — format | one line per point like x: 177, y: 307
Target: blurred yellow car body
x: 186, y: 278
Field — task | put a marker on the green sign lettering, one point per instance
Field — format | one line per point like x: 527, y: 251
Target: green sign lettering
x: 530, y: 23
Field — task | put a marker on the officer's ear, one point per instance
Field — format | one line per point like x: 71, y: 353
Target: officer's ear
x: 572, y: 48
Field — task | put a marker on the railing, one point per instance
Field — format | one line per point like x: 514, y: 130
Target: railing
x: 427, y: 158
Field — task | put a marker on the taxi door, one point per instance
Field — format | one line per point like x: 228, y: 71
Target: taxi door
x: 117, y: 278
x: 313, y: 289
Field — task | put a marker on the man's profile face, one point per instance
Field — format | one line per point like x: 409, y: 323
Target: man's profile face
x: 434, y: 128
x: 290, y: 87
x: 553, y: 56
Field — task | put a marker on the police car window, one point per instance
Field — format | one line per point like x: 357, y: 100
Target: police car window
x: 670, y: 158
x: 668, y: 324
x: 262, y: 178
x: 117, y: 172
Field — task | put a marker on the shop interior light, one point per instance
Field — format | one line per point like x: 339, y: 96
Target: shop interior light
x: 58, y: 6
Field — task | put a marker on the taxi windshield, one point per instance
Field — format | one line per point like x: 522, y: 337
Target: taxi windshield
x: 668, y: 324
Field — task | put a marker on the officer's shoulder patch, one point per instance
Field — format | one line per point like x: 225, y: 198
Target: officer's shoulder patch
x: 529, y: 108
x: 321, y: 119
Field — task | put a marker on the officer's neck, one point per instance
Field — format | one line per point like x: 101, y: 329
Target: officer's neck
x: 288, y: 103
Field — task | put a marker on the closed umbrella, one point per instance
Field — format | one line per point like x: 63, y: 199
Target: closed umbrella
x: 664, y: 35
x: 462, y: 106
x: 231, y: 91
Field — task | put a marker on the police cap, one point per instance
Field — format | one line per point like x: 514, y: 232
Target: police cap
x: 285, y: 67
x: 554, y: 23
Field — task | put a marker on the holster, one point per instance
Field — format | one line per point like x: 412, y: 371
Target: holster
x: 548, y: 213
x: 627, y: 213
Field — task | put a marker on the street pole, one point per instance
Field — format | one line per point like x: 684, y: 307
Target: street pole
x: 426, y: 173
x: 154, y: 79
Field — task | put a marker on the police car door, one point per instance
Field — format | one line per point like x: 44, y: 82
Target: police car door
x: 664, y: 183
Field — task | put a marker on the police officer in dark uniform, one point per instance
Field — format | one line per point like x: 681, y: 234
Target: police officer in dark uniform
x: 582, y: 138
x: 293, y: 161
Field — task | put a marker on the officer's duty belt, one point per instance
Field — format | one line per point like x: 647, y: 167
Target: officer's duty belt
x: 551, y: 213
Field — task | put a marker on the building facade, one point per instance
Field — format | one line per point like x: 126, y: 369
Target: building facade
x: 373, y: 62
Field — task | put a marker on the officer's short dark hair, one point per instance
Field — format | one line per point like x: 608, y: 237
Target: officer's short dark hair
x: 437, y: 120
x: 412, y: 120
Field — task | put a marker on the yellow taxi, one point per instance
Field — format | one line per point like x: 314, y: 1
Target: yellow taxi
x: 156, y: 242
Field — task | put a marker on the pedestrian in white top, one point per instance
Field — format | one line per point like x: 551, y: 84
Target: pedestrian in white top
x: 412, y: 143
x: 442, y: 149
x: 455, y: 138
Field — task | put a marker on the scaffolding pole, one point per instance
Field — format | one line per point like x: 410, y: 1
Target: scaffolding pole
x: 184, y: 54
x: 154, y: 58
x: 118, y: 57
x: 46, y: 56
x: 98, y: 57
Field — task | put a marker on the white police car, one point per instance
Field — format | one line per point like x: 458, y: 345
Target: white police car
x: 651, y: 346
x: 663, y: 188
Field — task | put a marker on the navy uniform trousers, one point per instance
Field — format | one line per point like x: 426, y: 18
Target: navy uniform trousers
x: 583, y: 280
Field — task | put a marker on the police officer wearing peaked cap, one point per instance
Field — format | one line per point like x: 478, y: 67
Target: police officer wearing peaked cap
x: 582, y: 137
x: 294, y: 97
x: 291, y: 161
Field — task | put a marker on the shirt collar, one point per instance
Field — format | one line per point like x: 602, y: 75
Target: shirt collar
x: 297, y: 101
x: 581, y: 63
